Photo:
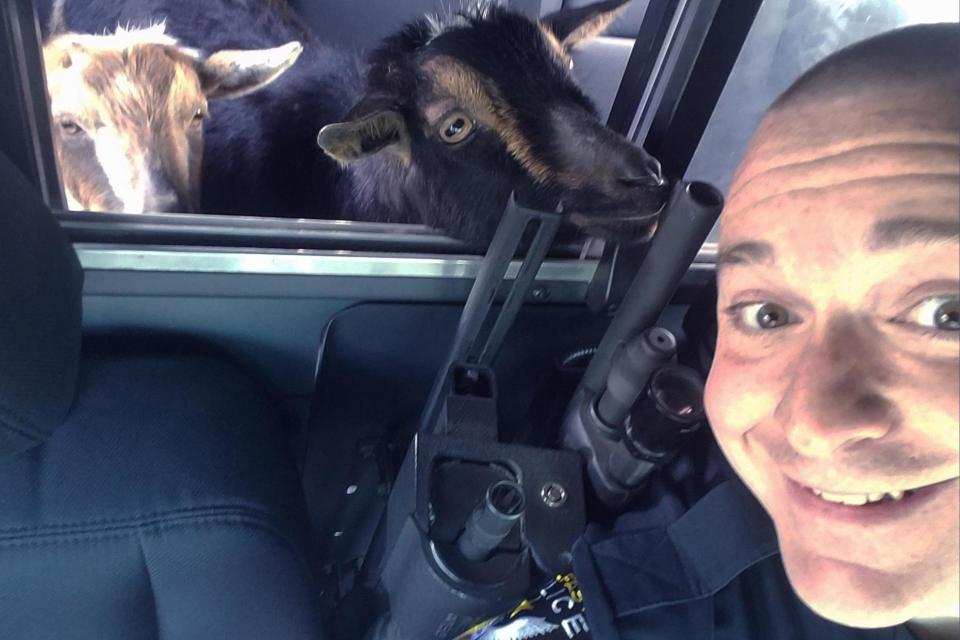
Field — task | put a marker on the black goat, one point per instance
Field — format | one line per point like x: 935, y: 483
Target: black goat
x: 437, y: 126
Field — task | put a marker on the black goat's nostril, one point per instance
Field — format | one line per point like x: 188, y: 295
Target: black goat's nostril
x: 653, y: 166
x: 646, y: 173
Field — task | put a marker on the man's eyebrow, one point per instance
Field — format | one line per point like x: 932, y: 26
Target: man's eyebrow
x: 896, y: 232
x: 746, y: 252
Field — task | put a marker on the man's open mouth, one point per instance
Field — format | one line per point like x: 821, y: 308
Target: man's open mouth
x: 860, y: 499
x: 875, y: 498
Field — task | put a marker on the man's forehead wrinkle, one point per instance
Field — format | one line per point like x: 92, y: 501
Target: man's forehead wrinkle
x: 810, y: 139
x: 799, y: 137
x: 759, y: 181
x: 806, y: 130
x: 801, y: 201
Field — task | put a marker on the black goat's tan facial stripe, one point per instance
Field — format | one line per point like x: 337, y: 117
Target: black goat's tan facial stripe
x: 480, y: 97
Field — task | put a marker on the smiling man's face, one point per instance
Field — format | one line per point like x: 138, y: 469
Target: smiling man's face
x: 835, y: 391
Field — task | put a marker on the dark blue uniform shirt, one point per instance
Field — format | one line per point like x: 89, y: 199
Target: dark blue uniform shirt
x: 710, y: 570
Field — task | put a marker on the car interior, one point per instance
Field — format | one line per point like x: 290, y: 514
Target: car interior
x: 246, y: 426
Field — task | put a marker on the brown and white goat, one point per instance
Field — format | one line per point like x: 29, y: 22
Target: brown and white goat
x: 128, y: 111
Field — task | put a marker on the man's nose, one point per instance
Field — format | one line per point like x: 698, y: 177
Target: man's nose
x: 836, y: 395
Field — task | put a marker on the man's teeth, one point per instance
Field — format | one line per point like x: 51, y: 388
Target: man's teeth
x: 857, y: 500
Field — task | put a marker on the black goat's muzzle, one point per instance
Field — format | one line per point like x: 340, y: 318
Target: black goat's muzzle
x: 610, y: 187
x: 631, y: 217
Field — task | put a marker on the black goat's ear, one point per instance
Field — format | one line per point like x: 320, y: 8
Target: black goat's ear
x: 364, y: 134
x: 575, y: 26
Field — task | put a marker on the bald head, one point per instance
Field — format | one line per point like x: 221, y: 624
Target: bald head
x: 927, y: 54
x: 900, y: 89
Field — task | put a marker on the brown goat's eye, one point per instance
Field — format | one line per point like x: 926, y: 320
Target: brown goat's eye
x: 456, y: 128
x: 70, y: 127
x: 198, y: 117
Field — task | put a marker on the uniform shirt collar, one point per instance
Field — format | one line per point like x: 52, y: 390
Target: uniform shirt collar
x: 676, y: 560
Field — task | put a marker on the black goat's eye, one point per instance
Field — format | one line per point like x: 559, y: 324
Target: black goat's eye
x: 456, y: 128
x: 70, y: 127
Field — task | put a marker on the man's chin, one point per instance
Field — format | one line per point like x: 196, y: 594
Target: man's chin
x: 849, y: 594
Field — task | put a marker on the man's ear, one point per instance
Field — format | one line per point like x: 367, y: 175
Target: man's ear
x: 370, y: 127
x: 576, y: 26
x: 235, y: 73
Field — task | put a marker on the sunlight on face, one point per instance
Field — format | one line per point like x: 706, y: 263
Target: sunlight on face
x: 834, y: 392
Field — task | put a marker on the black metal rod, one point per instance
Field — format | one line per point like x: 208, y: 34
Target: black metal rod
x: 684, y: 226
x: 493, y: 269
x: 549, y: 224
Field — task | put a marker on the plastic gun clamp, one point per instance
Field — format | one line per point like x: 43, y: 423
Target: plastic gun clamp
x: 442, y: 561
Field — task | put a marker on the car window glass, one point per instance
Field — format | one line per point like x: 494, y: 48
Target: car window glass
x: 787, y: 38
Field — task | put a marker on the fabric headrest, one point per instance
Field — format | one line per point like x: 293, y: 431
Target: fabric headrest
x: 40, y: 314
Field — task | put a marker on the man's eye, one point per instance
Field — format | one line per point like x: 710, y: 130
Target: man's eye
x: 939, y: 312
x: 761, y: 316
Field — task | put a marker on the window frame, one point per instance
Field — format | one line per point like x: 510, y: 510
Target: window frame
x: 25, y: 121
x: 28, y: 139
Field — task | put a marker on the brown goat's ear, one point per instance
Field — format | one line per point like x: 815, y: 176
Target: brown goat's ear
x: 235, y: 73
x: 365, y: 135
x: 575, y: 26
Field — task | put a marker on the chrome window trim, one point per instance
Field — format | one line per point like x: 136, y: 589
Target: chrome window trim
x: 99, y: 257
x: 257, y: 232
